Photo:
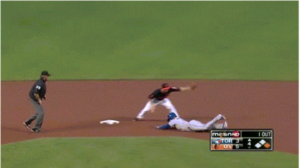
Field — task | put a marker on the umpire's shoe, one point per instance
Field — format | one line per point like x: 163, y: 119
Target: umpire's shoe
x: 36, y: 130
x: 27, y: 125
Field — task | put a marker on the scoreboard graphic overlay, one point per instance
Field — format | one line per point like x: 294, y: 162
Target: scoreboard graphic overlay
x: 242, y: 140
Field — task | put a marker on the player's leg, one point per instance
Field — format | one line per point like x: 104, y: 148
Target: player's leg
x: 223, y: 125
x: 168, y: 104
x: 195, y: 125
x: 213, y: 121
x: 207, y: 126
x: 144, y: 110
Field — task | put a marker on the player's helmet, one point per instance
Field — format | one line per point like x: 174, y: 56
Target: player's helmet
x: 171, y: 116
x: 165, y: 85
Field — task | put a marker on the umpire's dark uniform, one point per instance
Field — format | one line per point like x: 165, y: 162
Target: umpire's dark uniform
x: 36, y: 94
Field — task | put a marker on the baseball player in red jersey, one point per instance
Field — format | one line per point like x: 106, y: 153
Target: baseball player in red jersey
x: 159, y: 97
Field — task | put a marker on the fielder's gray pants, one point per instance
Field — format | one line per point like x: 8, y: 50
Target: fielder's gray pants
x: 38, y: 116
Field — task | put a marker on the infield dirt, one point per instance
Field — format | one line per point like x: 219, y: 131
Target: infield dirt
x: 75, y: 108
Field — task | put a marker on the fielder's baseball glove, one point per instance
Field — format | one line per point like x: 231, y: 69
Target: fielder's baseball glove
x: 193, y: 85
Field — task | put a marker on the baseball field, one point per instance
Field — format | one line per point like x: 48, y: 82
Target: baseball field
x: 107, y: 57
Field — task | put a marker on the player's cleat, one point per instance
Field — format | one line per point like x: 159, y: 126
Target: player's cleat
x: 221, y: 117
x: 26, y: 125
x: 36, y: 130
x: 135, y: 119
x: 138, y: 119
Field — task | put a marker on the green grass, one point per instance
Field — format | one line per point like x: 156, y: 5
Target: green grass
x: 134, y: 152
x: 150, y: 40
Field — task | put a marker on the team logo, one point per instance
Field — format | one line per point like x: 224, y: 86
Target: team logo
x: 217, y: 141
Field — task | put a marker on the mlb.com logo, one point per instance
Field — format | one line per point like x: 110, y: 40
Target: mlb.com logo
x: 235, y: 134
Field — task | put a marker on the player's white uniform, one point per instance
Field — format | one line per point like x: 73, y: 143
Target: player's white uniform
x: 165, y: 102
x: 193, y: 125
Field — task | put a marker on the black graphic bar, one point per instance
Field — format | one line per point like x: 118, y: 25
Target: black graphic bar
x: 242, y: 140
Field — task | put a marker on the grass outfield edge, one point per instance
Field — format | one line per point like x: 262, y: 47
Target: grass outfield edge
x: 127, y: 137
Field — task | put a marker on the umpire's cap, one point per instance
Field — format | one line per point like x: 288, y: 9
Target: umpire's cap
x: 45, y: 73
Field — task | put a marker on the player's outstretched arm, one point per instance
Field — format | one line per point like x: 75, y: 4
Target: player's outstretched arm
x: 167, y: 126
x: 192, y: 86
x: 187, y: 88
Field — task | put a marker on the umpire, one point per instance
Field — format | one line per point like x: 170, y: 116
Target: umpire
x: 37, y: 94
